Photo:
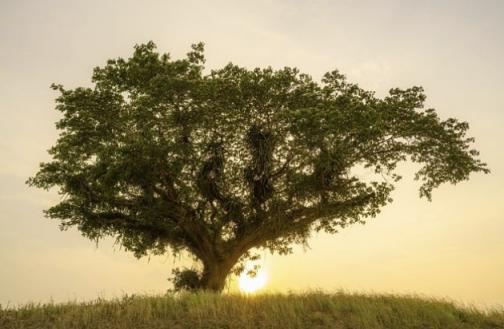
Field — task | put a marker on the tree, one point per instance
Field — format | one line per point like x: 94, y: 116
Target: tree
x: 165, y: 157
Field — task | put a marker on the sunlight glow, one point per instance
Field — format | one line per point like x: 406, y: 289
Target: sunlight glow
x: 250, y: 284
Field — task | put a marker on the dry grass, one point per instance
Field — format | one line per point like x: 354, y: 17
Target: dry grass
x: 205, y: 310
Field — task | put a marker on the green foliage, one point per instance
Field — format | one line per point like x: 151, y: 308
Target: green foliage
x: 293, y: 311
x: 185, y: 280
x: 161, y: 155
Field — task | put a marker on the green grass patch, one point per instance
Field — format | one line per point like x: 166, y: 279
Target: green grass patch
x: 206, y: 310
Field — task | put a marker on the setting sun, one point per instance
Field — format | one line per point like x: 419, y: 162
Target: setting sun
x: 249, y: 283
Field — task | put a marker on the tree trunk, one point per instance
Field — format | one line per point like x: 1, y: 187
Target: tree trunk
x: 214, y: 275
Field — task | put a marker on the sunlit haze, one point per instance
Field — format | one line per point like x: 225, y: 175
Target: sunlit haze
x: 251, y: 279
x: 450, y: 247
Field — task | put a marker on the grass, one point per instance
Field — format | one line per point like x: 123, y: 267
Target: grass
x: 205, y: 310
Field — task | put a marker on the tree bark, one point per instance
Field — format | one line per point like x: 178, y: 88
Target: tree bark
x: 215, y: 273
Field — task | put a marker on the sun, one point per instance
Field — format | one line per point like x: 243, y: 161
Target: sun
x: 250, y: 284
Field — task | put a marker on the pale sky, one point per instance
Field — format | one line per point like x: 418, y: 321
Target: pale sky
x: 452, y: 247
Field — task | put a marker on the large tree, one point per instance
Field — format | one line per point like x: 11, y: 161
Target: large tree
x: 166, y: 157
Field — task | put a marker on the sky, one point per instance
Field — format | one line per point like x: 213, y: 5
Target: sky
x: 452, y: 247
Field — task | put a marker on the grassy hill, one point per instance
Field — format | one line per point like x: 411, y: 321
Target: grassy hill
x: 204, y: 310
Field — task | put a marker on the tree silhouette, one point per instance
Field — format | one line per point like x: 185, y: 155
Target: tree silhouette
x: 165, y: 157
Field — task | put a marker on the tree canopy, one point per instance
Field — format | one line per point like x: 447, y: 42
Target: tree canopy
x: 164, y: 156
